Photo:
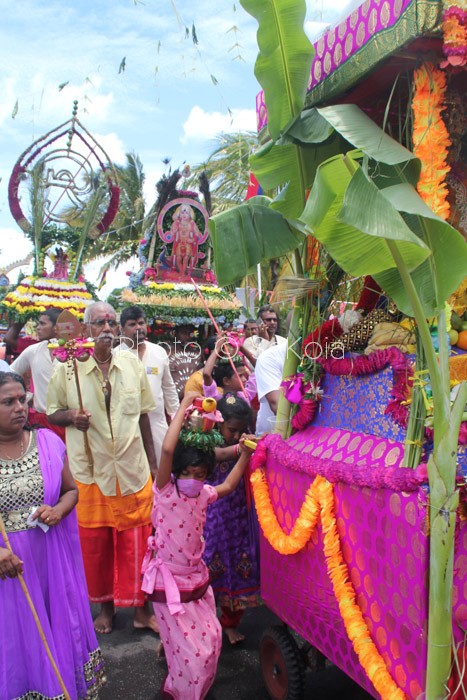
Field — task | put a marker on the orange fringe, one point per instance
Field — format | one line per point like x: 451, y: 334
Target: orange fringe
x: 431, y: 138
x: 319, y: 501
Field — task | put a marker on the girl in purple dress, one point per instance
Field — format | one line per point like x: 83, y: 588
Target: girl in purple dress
x: 231, y: 534
x: 37, y: 500
x: 174, y: 573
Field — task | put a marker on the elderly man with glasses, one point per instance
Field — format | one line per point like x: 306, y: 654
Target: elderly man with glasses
x: 113, y: 472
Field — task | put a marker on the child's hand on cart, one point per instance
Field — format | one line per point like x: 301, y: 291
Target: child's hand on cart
x: 248, y: 443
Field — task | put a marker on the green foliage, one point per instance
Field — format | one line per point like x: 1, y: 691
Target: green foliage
x: 239, y: 242
x: 227, y: 169
x: 284, y: 60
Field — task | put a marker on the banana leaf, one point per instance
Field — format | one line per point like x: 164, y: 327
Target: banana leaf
x: 360, y: 247
x: 363, y: 133
x: 284, y: 60
x: 248, y: 234
x: 290, y: 162
x: 376, y: 212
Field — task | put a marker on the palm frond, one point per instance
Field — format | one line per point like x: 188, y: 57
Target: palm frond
x: 37, y: 192
x: 205, y: 190
x: 289, y: 289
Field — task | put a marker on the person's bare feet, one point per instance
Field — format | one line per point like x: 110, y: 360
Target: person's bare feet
x: 144, y: 619
x: 103, y: 622
x: 233, y: 635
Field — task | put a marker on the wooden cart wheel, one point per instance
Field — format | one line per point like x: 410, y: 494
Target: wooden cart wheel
x: 282, y: 665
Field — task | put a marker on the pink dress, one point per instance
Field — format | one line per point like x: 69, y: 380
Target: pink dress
x: 177, y: 580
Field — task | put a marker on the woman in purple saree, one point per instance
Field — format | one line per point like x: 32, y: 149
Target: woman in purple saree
x: 34, y: 474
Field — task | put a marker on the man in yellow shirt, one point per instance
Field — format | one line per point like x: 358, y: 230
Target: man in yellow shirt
x: 114, y: 474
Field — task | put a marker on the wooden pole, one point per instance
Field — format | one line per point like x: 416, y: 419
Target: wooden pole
x: 34, y: 613
x: 216, y: 327
x: 81, y: 408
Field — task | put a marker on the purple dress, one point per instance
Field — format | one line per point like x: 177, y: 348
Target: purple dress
x: 232, y: 552
x: 54, y: 575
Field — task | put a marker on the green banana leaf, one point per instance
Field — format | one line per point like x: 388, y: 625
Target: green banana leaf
x: 290, y: 163
x: 248, y: 234
x: 358, y: 249
x: 291, y: 168
x: 363, y: 133
x: 354, y: 219
x: 374, y: 212
x: 284, y: 60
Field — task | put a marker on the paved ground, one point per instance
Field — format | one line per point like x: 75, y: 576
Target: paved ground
x: 134, y: 673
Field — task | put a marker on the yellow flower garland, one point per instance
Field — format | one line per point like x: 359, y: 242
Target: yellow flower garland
x: 431, y: 138
x: 319, y: 500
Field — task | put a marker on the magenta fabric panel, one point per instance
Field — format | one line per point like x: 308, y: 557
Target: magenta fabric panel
x: 384, y: 542
x: 340, y: 43
x: 347, y: 447
x: 459, y: 594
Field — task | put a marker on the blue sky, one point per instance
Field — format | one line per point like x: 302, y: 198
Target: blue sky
x: 170, y: 101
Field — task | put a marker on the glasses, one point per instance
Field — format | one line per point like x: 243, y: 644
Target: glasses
x: 101, y: 322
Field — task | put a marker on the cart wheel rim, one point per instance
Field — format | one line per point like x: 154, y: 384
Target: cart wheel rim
x: 274, y: 668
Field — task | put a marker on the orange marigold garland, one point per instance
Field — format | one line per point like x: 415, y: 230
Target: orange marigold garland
x: 319, y: 499
x: 304, y: 525
x: 455, y: 33
x: 431, y: 138
x: 354, y: 622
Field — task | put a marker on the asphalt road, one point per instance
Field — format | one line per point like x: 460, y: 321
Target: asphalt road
x: 134, y: 672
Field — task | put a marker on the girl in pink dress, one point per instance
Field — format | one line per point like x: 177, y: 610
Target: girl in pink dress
x: 174, y: 573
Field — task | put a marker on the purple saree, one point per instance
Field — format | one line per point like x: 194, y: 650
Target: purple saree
x: 54, y: 575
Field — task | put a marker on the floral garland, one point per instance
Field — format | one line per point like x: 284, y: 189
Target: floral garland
x: 180, y: 304
x: 319, y: 500
x: 431, y: 137
x: 357, y: 630
x: 36, y: 294
x: 304, y: 526
x: 374, y: 477
x: 455, y: 34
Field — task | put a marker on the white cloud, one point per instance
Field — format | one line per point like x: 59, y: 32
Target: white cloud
x: 204, y: 126
x: 315, y: 29
x: 113, y: 146
x: 14, y: 247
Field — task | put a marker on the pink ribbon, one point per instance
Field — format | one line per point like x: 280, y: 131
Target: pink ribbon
x: 151, y: 565
x: 294, y: 388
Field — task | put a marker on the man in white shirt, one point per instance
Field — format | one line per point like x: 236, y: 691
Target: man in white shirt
x: 156, y: 362
x: 267, y: 332
x: 268, y: 372
x: 38, y: 361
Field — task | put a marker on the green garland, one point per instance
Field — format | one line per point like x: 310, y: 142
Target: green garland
x: 206, y: 442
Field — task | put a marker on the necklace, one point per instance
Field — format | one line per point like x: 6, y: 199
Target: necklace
x: 11, y: 459
x: 103, y: 362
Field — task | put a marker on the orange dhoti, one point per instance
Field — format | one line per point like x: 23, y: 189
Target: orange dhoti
x: 113, y: 532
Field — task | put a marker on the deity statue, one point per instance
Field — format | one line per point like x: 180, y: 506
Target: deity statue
x: 186, y: 238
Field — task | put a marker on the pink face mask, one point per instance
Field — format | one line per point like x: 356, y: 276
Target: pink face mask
x: 190, y: 487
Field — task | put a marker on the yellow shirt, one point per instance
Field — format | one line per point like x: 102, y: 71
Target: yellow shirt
x: 115, y: 438
x: 195, y: 383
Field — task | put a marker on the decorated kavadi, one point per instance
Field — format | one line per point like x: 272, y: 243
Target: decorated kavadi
x: 63, y: 193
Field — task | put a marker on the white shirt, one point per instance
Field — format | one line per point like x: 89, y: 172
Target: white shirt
x: 268, y: 373
x: 156, y: 363
x: 4, y: 366
x: 37, y: 360
x: 257, y: 345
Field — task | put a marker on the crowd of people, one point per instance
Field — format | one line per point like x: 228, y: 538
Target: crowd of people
x: 119, y: 516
